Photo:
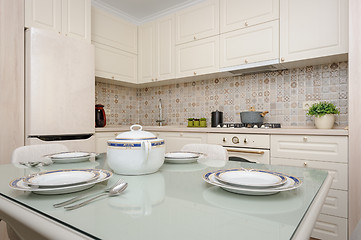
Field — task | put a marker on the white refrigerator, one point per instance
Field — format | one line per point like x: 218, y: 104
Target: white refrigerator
x: 59, y: 90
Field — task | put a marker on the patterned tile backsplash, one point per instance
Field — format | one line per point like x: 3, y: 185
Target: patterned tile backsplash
x: 282, y: 93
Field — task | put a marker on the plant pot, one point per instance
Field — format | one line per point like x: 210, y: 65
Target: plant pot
x: 203, y: 123
x: 325, y: 121
x: 190, y: 123
x: 196, y: 123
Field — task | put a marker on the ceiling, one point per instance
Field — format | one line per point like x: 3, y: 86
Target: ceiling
x: 140, y: 11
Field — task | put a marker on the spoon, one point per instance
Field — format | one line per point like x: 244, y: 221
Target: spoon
x: 115, y: 191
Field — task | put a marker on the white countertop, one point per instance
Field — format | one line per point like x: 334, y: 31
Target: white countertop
x: 271, y: 131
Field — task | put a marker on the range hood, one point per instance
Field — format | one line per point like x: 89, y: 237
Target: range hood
x: 265, y: 66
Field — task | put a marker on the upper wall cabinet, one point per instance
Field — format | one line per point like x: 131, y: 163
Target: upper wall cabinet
x: 313, y: 29
x: 197, y: 22
x: 156, y: 58
x: 249, y: 45
x: 113, y: 31
x: 68, y: 17
x: 237, y: 14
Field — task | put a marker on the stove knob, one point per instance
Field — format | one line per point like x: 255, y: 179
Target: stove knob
x: 235, y: 140
x: 224, y: 139
x: 245, y: 140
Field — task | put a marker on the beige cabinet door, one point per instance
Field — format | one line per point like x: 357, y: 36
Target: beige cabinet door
x: 165, y: 51
x: 330, y: 228
x: 197, y: 22
x: 197, y: 58
x: 174, y: 141
x: 313, y: 28
x: 76, y: 18
x: 110, y: 30
x: 115, y: 64
x: 249, y: 45
x: 44, y: 14
x: 101, y: 140
x: 147, y: 52
x: 237, y: 14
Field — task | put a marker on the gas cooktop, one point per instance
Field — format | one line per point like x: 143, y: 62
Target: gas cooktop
x: 250, y: 125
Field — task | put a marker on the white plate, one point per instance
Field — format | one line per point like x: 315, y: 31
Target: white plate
x: 181, y: 157
x: 61, y: 178
x: 18, y: 184
x: 70, y: 157
x: 291, y: 183
x: 252, y: 178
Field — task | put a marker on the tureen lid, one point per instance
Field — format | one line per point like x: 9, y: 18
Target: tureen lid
x: 136, y: 134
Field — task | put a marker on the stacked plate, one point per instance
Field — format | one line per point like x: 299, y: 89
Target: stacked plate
x: 181, y: 157
x: 252, y: 181
x: 60, y: 181
x: 70, y: 157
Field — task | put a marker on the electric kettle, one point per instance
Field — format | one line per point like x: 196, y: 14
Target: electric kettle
x: 100, y: 119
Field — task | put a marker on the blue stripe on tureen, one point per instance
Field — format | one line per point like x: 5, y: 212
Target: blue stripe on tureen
x: 127, y: 145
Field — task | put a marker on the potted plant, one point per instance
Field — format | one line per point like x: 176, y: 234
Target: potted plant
x: 196, y: 122
x: 203, y: 122
x: 190, y: 122
x: 324, y: 113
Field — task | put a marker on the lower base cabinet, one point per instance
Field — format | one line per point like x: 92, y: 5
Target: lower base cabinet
x: 329, y: 227
x: 174, y: 141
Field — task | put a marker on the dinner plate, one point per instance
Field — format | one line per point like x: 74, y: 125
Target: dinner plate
x: 70, y: 157
x: 18, y: 184
x: 291, y: 183
x: 181, y: 157
x: 250, y: 178
x: 61, y: 178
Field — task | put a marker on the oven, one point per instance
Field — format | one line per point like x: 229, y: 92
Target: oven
x: 244, y: 147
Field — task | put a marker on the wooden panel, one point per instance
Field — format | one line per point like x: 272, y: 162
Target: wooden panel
x: 323, y: 148
x: 43, y: 14
x: 196, y: 58
x: 325, y: 20
x: 115, y: 64
x: 330, y: 228
x: 113, y: 31
x: 197, y: 22
x: 249, y: 45
x: 236, y: 14
x: 337, y: 170
x: 11, y: 77
x: 76, y: 18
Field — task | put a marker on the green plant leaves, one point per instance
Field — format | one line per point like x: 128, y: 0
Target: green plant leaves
x: 322, y: 108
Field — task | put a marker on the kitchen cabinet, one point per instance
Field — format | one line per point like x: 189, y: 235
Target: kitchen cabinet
x: 248, y: 45
x: 174, y: 141
x: 322, y: 152
x: 112, y: 63
x: 197, y: 22
x: 68, y: 17
x: 113, y: 31
x: 313, y: 29
x: 237, y: 14
x: 198, y: 57
x: 156, y: 59
x: 101, y: 140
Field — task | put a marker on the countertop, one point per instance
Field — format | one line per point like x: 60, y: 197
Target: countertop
x: 269, y: 131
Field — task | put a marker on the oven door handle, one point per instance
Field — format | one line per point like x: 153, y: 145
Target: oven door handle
x: 245, y: 151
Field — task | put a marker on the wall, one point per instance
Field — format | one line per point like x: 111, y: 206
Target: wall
x: 282, y: 93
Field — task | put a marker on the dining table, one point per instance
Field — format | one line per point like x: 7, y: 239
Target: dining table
x: 172, y: 203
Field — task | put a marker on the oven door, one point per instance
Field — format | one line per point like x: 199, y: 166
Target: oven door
x: 248, y: 155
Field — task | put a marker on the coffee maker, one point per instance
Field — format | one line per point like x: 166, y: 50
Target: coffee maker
x: 100, y: 119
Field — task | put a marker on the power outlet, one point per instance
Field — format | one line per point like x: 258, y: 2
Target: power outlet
x: 308, y: 104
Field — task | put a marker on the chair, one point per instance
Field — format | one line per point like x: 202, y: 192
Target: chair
x: 35, y: 153
x: 216, y: 155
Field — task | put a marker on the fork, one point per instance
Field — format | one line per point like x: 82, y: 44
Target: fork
x: 80, y: 197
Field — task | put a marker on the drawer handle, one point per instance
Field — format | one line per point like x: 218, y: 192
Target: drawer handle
x: 305, y: 164
x: 305, y: 139
x: 245, y: 151
x: 195, y: 38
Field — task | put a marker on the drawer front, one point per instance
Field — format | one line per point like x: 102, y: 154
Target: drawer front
x: 240, y: 140
x: 330, y: 228
x: 336, y: 203
x: 323, y: 148
x: 337, y: 170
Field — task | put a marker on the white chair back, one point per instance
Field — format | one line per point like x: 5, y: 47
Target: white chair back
x: 34, y: 153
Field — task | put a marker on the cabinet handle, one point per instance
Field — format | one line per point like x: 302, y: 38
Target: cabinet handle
x: 194, y: 73
x: 305, y: 164
x: 305, y: 139
x: 246, y: 23
x: 224, y: 139
x: 282, y: 59
x: 194, y: 38
x: 245, y: 151
x: 246, y: 61
x: 181, y: 134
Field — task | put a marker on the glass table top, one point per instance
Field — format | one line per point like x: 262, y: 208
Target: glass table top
x: 176, y: 203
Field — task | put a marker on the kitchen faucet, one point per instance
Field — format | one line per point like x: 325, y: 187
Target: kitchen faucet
x: 160, y: 120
